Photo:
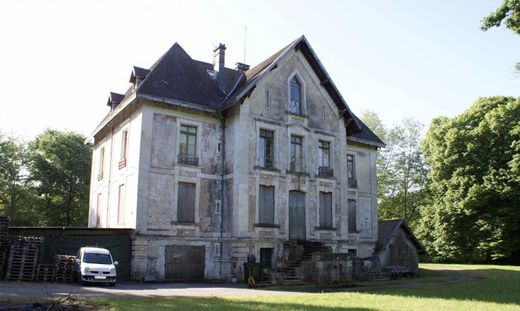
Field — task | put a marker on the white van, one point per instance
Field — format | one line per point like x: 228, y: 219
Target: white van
x: 94, y: 264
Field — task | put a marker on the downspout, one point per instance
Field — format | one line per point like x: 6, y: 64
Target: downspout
x: 222, y: 191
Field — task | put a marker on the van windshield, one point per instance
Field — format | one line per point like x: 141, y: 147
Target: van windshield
x: 97, y: 258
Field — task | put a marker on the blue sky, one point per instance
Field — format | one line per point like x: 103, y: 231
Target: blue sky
x: 399, y: 58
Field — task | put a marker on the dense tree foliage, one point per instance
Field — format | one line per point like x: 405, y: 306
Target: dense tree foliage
x: 59, y: 163
x: 16, y: 197
x: 401, y: 171
x: 46, y: 181
x: 474, y: 162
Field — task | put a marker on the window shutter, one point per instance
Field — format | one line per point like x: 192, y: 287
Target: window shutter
x: 186, y: 203
x: 266, y: 205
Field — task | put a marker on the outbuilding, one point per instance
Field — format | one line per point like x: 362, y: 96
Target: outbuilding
x: 397, y: 246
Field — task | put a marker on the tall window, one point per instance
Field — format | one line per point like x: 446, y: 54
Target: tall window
x: 296, y: 154
x: 266, y: 205
x: 324, y: 153
x: 124, y: 149
x: 295, y: 98
x: 186, y: 203
x: 265, y: 149
x: 98, y: 210
x: 101, y: 163
x: 188, y: 145
x: 325, y: 210
x: 351, y: 171
x: 352, y: 215
x: 121, y: 204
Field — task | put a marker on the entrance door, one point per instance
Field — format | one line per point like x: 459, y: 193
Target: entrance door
x: 297, y: 223
x: 184, y: 263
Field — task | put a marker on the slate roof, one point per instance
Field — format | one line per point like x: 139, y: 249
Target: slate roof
x: 114, y: 98
x: 176, y: 77
x: 365, y: 135
x: 386, y: 230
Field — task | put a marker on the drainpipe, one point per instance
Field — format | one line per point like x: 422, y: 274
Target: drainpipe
x: 222, y: 191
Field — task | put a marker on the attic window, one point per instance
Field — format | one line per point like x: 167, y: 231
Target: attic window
x: 295, y: 96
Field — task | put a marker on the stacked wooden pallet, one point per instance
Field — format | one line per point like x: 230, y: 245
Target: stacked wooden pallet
x: 5, y: 243
x: 64, y: 268
x: 46, y: 273
x: 23, y: 258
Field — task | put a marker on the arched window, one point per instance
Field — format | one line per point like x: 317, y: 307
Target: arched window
x: 295, y: 98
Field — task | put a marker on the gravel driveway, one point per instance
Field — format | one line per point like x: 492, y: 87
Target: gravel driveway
x: 127, y: 289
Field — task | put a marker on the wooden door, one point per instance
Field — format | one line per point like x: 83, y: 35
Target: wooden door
x: 297, y: 223
x: 184, y: 263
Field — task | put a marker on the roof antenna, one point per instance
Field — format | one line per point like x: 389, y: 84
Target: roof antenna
x: 245, y: 37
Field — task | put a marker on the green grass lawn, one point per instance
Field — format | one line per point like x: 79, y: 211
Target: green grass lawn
x: 444, y: 287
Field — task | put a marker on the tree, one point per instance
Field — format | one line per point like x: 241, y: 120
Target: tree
x: 401, y: 170
x: 474, y: 162
x: 12, y: 178
x: 59, y: 164
x: 508, y: 12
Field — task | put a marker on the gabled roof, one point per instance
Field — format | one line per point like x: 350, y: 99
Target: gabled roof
x: 366, y: 136
x: 138, y: 72
x: 176, y: 76
x: 114, y: 99
x: 387, y: 229
x: 256, y: 73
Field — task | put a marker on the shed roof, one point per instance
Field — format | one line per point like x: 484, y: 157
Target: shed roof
x: 387, y: 229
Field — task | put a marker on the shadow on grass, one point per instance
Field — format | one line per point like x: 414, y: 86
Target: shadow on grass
x: 215, y: 304
x: 496, y: 285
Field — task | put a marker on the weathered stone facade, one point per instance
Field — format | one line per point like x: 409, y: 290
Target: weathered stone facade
x: 228, y: 176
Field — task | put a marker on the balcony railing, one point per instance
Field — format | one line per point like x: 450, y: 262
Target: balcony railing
x: 185, y: 159
x: 325, y: 171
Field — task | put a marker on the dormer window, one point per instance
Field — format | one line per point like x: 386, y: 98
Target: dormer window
x: 295, y: 96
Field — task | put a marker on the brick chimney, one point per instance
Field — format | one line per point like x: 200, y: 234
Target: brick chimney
x: 219, y: 60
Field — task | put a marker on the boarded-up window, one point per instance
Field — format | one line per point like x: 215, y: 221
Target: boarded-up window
x: 266, y: 205
x: 325, y: 209
x: 121, y: 204
x: 352, y: 222
x: 265, y: 149
x: 186, y: 203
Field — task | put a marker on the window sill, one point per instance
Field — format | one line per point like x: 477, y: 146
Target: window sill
x: 186, y: 224
x: 270, y: 169
x: 187, y: 165
x: 297, y: 173
x: 298, y: 115
x: 258, y: 225
x: 354, y: 232
x: 325, y: 177
x: 325, y: 228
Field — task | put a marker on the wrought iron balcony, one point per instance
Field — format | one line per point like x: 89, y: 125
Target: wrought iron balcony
x: 185, y: 159
x: 325, y: 171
